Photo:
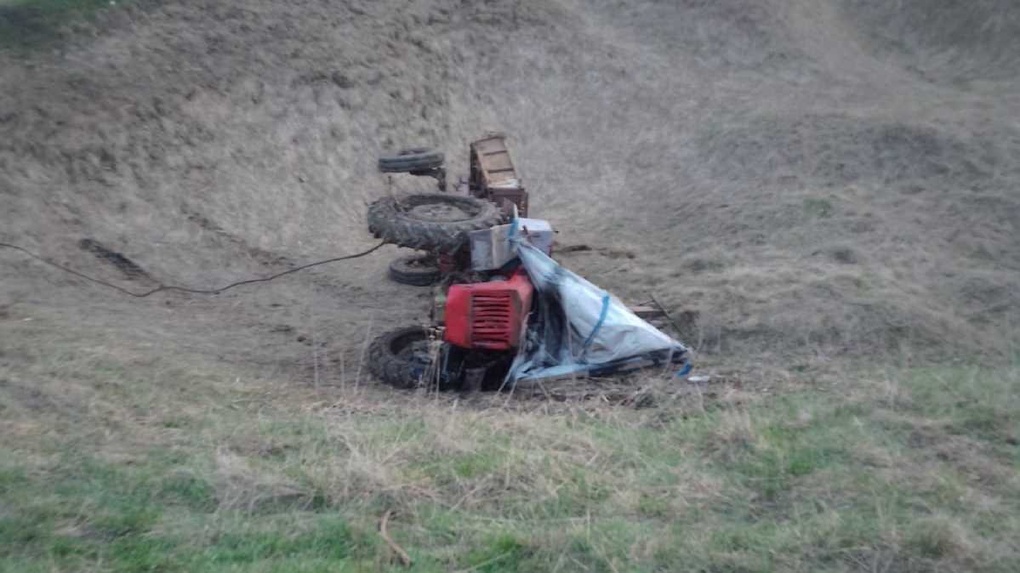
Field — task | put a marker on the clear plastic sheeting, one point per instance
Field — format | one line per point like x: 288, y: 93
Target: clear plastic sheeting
x: 579, y: 329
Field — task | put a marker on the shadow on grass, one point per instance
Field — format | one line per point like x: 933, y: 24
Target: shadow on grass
x: 27, y: 24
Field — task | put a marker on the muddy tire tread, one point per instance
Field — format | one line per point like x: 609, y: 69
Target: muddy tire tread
x: 386, y: 366
x: 414, y: 159
x: 386, y: 221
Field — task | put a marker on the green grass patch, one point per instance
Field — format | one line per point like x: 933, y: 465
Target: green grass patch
x: 87, y: 513
x: 819, y: 208
x: 909, y: 470
x: 33, y: 23
x: 975, y: 403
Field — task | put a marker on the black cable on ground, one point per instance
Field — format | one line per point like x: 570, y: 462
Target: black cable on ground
x: 163, y: 287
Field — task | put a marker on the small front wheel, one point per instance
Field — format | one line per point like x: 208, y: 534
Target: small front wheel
x: 415, y: 159
x: 415, y: 270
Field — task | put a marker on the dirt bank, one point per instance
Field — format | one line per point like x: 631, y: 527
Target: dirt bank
x: 784, y: 172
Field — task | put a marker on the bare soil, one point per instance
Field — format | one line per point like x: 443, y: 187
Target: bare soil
x: 799, y: 179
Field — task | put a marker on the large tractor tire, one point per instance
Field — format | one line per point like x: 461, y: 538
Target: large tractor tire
x: 431, y: 221
x: 415, y: 270
x: 399, y: 358
x: 416, y: 159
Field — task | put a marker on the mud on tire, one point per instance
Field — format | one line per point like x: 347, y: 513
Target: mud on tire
x: 431, y: 221
x: 421, y: 159
x: 391, y: 357
x: 415, y: 270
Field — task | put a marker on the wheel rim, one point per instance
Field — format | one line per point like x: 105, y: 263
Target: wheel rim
x: 422, y: 263
x: 439, y: 213
x: 412, y: 347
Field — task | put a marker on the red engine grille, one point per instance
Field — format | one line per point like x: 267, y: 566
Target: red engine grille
x: 489, y: 315
x: 492, y: 319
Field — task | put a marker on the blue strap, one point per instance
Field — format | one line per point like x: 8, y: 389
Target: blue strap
x: 685, y: 370
x: 598, y: 326
x: 513, y: 229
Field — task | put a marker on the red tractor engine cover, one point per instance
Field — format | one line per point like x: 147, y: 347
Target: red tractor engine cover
x: 490, y: 315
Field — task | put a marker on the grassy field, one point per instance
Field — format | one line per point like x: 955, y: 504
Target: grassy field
x: 114, y: 461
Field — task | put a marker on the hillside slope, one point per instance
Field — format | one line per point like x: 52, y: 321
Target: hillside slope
x: 797, y: 177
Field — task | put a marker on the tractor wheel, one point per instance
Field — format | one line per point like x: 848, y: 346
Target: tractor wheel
x: 431, y: 221
x: 414, y: 159
x: 400, y: 358
x: 415, y: 270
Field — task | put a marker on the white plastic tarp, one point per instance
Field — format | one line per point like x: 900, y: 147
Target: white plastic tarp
x: 579, y: 328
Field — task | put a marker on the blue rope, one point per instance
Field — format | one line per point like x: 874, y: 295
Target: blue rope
x: 598, y: 326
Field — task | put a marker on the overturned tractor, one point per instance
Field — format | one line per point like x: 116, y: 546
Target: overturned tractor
x: 434, y: 223
x: 504, y: 312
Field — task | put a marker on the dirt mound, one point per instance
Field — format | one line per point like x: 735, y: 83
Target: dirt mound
x: 943, y: 40
x: 728, y: 34
x: 837, y: 151
x: 759, y: 166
